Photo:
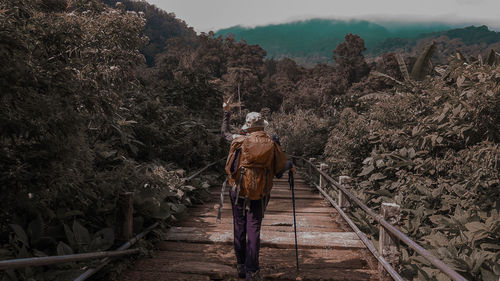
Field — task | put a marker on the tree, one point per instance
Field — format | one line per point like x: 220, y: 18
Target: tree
x: 246, y: 71
x: 239, y: 75
x: 350, y: 60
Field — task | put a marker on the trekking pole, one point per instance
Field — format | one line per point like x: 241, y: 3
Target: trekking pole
x: 290, y: 181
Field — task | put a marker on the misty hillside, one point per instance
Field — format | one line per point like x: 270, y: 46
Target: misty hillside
x: 311, y: 41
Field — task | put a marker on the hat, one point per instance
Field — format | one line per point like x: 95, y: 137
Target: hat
x: 254, y: 120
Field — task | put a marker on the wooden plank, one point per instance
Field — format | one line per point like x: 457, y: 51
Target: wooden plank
x: 198, y: 248
x: 302, y: 224
x: 269, y: 238
x: 297, y: 188
x: 331, y: 274
x: 282, y: 205
x: 271, y: 219
x: 215, y: 270
x: 153, y: 275
x: 309, y: 258
x: 277, y: 194
x: 271, y: 208
x: 267, y: 254
x: 277, y: 227
x: 304, y: 191
x: 210, y: 212
x: 173, y: 248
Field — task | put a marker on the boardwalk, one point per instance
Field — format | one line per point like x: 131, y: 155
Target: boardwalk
x: 201, y: 249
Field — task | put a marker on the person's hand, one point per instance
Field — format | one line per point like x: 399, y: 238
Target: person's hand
x: 293, y: 169
x: 227, y: 104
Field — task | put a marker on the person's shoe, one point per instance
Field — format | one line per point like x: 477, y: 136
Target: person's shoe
x: 241, y: 270
x: 254, y: 276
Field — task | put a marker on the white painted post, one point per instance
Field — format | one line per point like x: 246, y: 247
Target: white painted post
x: 322, y: 181
x: 344, y: 203
x: 389, y: 245
x: 310, y: 169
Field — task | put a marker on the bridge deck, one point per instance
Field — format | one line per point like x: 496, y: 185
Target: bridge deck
x: 200, y: 249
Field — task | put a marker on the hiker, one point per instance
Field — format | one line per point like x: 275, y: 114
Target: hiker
x: 254, y: 159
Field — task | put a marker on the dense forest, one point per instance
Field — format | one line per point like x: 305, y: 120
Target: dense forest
x: 317, y: 36
x: 311, y: 41
x: 101, y: 97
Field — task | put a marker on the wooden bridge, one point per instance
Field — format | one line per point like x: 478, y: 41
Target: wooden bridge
x: 331, y: 247
x: 201, y: 249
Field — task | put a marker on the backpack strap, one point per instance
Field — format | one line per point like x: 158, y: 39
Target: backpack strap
x: 246, y: 205
x: 221, y: 202
x: 237, y: 187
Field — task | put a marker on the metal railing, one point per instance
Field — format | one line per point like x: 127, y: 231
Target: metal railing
x: 386, y: 225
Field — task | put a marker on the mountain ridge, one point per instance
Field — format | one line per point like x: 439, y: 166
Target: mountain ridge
x: 318, y: 37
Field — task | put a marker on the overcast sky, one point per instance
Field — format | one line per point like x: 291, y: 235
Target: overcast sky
x: 206, y: 15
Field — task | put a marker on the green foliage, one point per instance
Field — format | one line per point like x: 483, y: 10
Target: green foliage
x: 81, y: 120
x: 492, y: 58
x: 348, y: 141
x: 292, y: 127
x: 434, y: 151
x: 349, y: 57
x: 423, y: 63
x: 318, y: 37
x: 469, y: 35
x: 160, y: 27
x: 311, y: 41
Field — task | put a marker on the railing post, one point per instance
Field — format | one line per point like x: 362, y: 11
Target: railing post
x: 125, y: 216
x: 343, y: 201
x: 388, y: 244
x: 310, y: 169
x: 322, y: 181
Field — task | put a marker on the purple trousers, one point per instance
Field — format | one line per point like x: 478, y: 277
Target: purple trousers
x: 247, y: 224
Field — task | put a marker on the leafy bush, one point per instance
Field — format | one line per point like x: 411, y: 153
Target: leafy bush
x: 348, y: 141
x: 433, y: 150
x: 81, y: 120
x: 293, y: 128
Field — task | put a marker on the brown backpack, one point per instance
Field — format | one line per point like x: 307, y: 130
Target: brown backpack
x: 250, y: 165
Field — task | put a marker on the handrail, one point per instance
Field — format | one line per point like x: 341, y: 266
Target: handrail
x: 108, y: 255
x: 362, y: 236
x: 91, y: 271
x: 104, y: 262
x: 204, y: 168
x: 39, y: 261
x: 393, y: 230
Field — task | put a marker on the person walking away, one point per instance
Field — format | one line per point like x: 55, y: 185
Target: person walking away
x: 253, y: 161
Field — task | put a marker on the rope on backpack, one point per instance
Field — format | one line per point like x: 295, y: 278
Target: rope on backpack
x: 221, y: 202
